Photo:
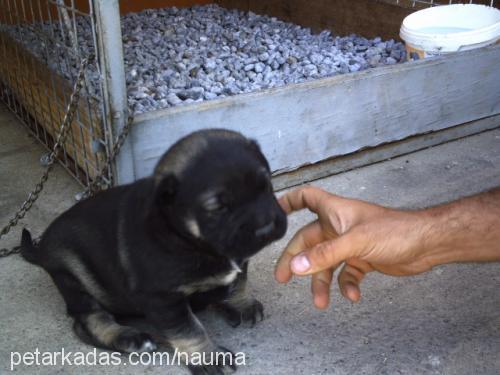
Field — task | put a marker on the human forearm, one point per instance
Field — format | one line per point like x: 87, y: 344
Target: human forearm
x: 467, y: 230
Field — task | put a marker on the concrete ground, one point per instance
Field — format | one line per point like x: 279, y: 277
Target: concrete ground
x: 446, y: 321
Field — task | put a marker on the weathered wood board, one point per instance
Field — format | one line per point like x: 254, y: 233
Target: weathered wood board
x: 369, y: 18
x: 305, y: 123
x: 383, y: 152
x: 44, y: 96
x: 36, y: 11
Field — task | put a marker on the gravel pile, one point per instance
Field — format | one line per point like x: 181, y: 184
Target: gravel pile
x: 175, y: 56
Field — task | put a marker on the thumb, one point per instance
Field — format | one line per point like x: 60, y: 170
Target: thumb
x: 326, y: 255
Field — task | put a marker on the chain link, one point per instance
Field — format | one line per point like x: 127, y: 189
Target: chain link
x: 4, y: 252
x: 99, y: 182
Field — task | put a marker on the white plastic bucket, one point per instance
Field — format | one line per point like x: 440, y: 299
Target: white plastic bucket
x: 450, y: 28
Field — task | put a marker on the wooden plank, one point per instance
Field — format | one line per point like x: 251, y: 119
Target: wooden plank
x: 127, y: 6
x: 243, y: 5
x: 369, y: 18
x: 43, y: 95
x: 45, y: 10
x: 384, y: 152
x: 305, y: 123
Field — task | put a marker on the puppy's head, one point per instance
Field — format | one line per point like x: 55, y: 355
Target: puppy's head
x: 214, y: 187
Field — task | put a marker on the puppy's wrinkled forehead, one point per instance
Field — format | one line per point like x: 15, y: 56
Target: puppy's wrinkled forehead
x: 178, y: 157
x: 182, y: 154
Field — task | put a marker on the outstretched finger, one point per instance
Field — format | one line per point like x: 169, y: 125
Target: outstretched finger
x: 350, y: 278
x: 305, y: 238
x: 306, y: 197
x: 320, y: 288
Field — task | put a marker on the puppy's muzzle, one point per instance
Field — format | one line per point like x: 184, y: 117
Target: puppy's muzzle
x: 266, y: 229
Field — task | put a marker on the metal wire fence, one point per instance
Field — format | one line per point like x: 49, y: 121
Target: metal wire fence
x: 41, y: 47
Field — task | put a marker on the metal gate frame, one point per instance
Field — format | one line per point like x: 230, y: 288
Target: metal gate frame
x: 115, y: 91
x: 38, y: 95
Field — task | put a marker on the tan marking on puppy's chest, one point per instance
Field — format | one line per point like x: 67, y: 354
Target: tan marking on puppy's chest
x: 211, y: 282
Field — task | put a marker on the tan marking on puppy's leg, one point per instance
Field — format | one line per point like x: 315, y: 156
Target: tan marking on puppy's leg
x: 239, y: 308
x: 105, y: 331
x: 103, y: 327
x: 238, y: 298
x: 192, y: 345
x: 123, y: 255
x: 80, y: 271
x: 193, y: 340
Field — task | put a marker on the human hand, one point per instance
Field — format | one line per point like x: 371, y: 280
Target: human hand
x: 364, y: 237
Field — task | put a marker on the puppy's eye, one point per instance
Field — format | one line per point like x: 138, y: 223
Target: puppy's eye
x: 214, y: 204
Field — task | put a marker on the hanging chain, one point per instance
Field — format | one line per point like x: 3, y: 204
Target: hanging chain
x: 60, y: 139
x: 99, y: 182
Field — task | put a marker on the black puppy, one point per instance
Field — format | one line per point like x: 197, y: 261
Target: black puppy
x: 166, y: 245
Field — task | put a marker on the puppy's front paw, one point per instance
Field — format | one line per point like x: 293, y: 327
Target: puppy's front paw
x: 249, y: 312
x: 220, y: 362
x: 131, y: 340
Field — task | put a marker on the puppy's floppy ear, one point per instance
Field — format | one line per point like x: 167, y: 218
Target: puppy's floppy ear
x: 166, y: 189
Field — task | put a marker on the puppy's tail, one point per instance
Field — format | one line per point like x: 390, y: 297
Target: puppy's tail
x: 28, y: 250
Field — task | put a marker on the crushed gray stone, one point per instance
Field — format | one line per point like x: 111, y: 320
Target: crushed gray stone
x: 175, y: 56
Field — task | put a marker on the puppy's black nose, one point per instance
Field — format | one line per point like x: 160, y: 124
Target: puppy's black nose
x: 266, y: 229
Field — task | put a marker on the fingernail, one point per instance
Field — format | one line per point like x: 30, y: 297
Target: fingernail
x: 300, y: 263
x: 351, y: 292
